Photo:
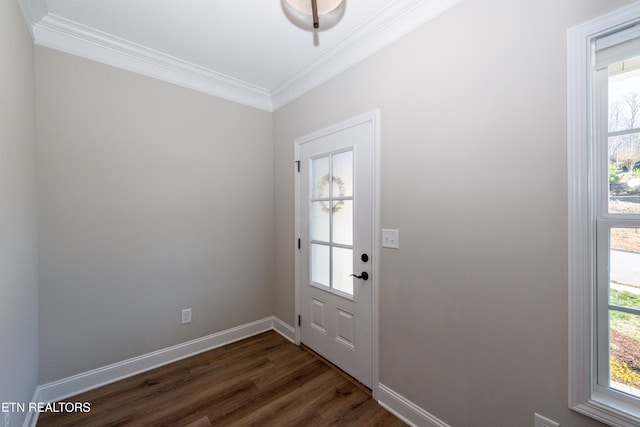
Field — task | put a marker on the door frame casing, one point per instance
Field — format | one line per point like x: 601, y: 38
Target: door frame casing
x: 372, y: 117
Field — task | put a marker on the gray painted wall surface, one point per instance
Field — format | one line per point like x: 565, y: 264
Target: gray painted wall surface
x: 18, y: 241
x: 153, y: 198
x: 473, y: 120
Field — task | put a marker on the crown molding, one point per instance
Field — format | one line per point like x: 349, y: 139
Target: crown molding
x: 394, y: 21
x: 72, y: 37
x: 389, y: 24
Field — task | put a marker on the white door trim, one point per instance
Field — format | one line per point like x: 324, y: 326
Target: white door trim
x: 374, y: 118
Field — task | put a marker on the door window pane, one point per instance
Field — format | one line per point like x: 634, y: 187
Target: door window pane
x: 343, y: 222
x: 320, y: 178
x: 320, y: 264
x: 331, y: 220
x: 342, y: 269
x: 343, y: 174
x: 319, y: 225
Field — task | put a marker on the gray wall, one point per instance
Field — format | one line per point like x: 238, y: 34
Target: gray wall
x: 152, y: 198
x: 473, y: 116
x: 18, y: 244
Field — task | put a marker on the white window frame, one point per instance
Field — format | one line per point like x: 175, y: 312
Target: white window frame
x: 585, y: 395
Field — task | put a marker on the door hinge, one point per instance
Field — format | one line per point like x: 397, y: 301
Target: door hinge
x: 299, y: 320
x: 298, y: 164
x: 299, y: 245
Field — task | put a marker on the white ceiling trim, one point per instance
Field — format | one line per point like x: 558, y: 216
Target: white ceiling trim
x: 68, y: 36
x: 391, y: 23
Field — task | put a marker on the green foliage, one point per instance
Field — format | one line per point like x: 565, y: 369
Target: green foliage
x: 621, y: 373
x: 614, y: 177
x: 636, y: 173
x: 625, y: 323
x: 624, y: 299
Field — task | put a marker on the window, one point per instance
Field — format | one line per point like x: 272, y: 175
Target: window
x: 604, y: 217
x: 331, y: 221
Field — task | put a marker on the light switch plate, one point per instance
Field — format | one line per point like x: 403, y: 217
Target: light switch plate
x: 390, y: 238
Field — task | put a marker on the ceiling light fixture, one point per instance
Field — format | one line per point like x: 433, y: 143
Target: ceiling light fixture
x: 314, y: 15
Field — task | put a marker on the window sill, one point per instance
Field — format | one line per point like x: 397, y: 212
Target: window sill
x: 610, y: 410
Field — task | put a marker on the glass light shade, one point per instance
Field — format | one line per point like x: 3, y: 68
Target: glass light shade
x: 299, y: 12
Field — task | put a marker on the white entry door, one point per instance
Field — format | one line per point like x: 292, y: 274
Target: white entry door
x: 335, y: 207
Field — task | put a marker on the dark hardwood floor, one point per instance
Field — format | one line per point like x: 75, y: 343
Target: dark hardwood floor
x: 261, y: 381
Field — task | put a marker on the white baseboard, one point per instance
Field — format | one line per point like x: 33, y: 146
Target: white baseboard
x: 406, y: 410
x: 32, y: 417
x: 284, y: 329
x: 85, y: 381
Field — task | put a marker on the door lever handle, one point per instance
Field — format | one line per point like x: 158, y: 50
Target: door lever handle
x: 363, y: 276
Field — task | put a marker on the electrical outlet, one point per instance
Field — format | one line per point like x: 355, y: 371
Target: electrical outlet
x: 541, y: 421
x: 186, y: 316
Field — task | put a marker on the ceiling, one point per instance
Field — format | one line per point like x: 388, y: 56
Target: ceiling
x: 242, y: 50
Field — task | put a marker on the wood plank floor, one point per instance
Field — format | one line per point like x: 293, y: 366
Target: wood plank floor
x: 261, y: 381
